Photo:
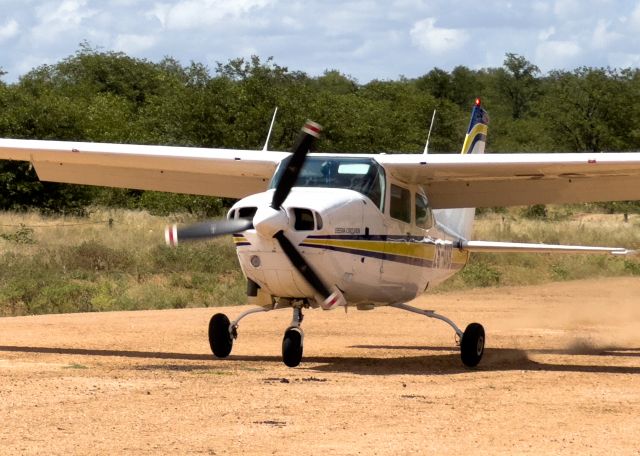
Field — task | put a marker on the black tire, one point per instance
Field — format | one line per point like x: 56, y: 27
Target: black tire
x: 472, y: 345
x: 292, y: 347
x: 220, y: 339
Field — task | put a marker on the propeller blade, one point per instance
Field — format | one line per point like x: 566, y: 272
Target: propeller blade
x: 301, y: 265
x: 204, y: 230
x: 309, y: 133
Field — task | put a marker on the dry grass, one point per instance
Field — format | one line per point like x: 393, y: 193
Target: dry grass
x: 70, y: 264
x: 561, y: 227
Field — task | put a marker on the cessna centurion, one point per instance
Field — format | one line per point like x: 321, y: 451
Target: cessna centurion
x: 331, y: 230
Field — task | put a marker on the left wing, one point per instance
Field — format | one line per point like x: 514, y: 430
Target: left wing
x: 217, y: 172
x: 456, y: 181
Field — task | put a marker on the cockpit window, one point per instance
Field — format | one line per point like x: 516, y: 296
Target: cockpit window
x: 363, y: 175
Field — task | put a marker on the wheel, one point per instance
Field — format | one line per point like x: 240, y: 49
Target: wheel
x: 220, y: 338
x: 472, y: 345
x: 292, y: 347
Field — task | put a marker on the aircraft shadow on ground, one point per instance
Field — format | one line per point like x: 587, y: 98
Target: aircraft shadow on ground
x: 445, y: 360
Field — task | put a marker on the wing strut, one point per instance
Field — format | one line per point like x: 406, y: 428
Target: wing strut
x: 517, y: 247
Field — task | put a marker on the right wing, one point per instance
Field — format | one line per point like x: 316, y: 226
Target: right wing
x: 216, y: 172
x: 457, y: 181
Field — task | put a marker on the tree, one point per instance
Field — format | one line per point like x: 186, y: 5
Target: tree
x: 518, y: 83
x: 591, y: 109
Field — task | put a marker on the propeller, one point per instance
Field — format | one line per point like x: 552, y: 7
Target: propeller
x: 205, y: 230
x: 310, y: 132
x: 270, y: 220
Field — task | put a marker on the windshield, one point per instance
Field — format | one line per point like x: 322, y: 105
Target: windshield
x: 364, y: 175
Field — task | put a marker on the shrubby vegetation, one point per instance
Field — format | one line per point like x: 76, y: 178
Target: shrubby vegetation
x: 106, y: 96
x: 58, y: 264
x: 71, y: 264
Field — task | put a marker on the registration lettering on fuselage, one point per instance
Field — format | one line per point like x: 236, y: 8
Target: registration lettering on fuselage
x: 444, y: 255
x: 340, y: 230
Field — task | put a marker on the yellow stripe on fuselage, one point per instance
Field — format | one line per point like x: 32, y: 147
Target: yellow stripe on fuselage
x: 370, y: 246
x: 422, y: 251
x: 460, y: 257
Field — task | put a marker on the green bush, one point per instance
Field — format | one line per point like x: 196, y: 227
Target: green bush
x: 23, y: 235
x: 95, y: 256
x: 480, y: 274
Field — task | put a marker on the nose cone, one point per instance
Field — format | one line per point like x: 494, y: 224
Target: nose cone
x: 268, y: 221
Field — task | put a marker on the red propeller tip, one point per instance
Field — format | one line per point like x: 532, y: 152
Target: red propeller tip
x: 171, y: 235
x: 312, y: 128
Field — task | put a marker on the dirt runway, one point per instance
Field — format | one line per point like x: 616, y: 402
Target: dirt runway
x: 561, y: 375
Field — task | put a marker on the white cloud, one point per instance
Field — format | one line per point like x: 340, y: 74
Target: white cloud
x: 133, y: 43
x: 603, y: 38
x: 547, y: 33
x: 568, y: 8
x: 9, y: 30
x: 540, y: 7
x: 634, y: 19
x: 55, y: 18
x: 365, y: 38
x: 189, y: 14
x: 28, y: 63
x: 624, y: 60
x: 67, y: 13
x: 437, y: 40
x: 292, y: 23
x: 557, y: 54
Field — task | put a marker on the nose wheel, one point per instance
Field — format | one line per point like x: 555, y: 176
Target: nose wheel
x: 292, y: 347
x: 292, y: 342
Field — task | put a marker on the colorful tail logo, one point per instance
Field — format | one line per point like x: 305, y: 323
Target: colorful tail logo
x: 477, y: 133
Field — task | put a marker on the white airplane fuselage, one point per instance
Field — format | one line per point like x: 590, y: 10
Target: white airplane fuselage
x: 371, y: 257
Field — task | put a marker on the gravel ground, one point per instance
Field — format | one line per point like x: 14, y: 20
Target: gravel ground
x: 561, y: 374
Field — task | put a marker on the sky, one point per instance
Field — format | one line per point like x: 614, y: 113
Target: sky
x: 365, y: 39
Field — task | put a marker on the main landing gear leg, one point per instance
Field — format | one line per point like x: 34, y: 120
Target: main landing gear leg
x: 222, y: 332
x: 471, y: 340
x: 292, y: 342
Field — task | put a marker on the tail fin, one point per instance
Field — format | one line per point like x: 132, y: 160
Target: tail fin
x: 476, y: 137
x: 460, y: 221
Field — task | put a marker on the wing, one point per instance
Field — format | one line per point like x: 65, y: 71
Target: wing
x: 453, y: 181
x: 216, y: 172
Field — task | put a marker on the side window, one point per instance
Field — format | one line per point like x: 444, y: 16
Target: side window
x: 303, y: 219
x: 424, y: 218
x: 400, y: 206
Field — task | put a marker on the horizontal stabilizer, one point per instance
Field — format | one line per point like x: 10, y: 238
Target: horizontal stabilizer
x: 517, y: 247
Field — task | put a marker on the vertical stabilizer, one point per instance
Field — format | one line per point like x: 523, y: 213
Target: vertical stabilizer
x: 477, y: 133
x: 461, y: 220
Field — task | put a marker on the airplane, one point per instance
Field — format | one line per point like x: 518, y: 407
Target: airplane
x: 320, y: 230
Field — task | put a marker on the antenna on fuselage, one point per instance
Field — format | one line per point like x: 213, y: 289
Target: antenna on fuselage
x: 426, y: 146
x: 273, y: 119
